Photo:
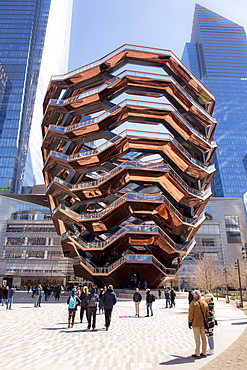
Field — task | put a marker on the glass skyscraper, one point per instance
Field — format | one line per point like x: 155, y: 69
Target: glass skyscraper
x: 217, y: 54
x: 34, y: 44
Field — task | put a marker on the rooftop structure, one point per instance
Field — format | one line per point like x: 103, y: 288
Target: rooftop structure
x: 127, y: 179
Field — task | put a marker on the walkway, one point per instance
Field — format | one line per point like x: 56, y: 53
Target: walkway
x: 38, y: 338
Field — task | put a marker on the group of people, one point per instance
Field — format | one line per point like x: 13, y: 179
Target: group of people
x: 170, y: 296
x: 201, y: 319
x: 6, y: 296
x: 89, y: 301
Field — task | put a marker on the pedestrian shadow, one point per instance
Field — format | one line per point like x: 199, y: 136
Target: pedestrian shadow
x: 178, y: 360
x: 27, y: 307
x: 52, y: 329
x: 82, y: 331
x: 239, y: 323
x: 129, y: 317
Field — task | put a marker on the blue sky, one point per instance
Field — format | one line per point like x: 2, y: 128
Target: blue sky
x: 99, y: 27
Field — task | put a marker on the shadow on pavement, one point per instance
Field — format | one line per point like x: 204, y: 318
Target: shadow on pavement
x: 129, y: 317
x: 81, y: 330
x: 239, y: 323
x: 178, y: 360
x: 27, y: 307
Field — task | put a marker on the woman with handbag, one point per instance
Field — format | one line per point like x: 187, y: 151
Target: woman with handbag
x: 209, y: 298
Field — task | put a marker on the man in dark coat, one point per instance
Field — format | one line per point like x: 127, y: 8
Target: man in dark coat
x: 109, y: 299
x: 137, y: 297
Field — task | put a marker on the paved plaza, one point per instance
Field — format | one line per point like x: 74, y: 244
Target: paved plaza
x: 38, y: 338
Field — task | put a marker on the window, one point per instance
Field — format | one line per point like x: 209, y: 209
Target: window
x: 233, y: 229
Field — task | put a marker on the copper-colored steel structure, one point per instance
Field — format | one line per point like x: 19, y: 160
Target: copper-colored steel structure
x: 127, y: 179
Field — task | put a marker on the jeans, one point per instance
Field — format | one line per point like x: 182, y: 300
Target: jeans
x: 211, y: 342
x: 9, y: 302
x: 37, y: 300
x: 168, y: 303
x: 149, y: 307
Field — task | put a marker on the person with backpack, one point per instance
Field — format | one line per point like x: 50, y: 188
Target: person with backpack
x: 73, y: 301
x: 92, y: 300
x: 150, y: 298
x: 84, y: 303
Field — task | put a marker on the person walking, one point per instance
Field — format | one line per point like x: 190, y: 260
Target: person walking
x: 9, y: 301
x: 101, y: 307
x: 57, y: 292
x: 149, y: 302
x: 38, y: 296
x: 197, y: 309
x: 92, y: 300
x: 73, y: 301
x: 5, y: 295
x: 83, y: 298
x: 1, y: 294
x: 168, y: 298
x: 159, y: 293
x: 190, y: 296
x: 173, y: 296
x: 137, y: 297
x: 109, y: 299
x: 209, y: 298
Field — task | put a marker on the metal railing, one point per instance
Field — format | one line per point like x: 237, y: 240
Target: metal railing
x: 141, y: 229
x: 135, y: 197
x: 133, y: 74
x: 135, y: 48
x: 129, y: 258
x: 134, y: 103
x: 132, y: 133
x: 134, y: 165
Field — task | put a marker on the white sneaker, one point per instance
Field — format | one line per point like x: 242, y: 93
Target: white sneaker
x: 210, y: 352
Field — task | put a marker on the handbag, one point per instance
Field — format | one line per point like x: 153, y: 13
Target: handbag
x: 205, y: 321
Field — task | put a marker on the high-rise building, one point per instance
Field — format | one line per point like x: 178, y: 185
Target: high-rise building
x: 34, y: 44
x: 217, y: 54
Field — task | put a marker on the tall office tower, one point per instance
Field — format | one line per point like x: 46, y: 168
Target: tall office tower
x: 127, y: 185
x: 217, y: 54
x: 34, y: 44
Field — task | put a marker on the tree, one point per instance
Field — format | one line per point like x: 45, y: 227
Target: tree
x: 208, y: 274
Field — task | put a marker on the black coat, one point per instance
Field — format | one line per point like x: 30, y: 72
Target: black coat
x: 109, y: 299
x: 137, y: 297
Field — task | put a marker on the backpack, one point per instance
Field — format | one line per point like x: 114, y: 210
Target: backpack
x: 153, y: 297
x: 72, y: 302
x: 92, y: 302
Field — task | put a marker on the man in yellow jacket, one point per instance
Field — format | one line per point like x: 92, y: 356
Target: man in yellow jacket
x: 197, y: 309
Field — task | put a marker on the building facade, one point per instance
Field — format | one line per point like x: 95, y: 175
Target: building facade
x: 217, y: 54
x: 34, y: 44
x: 222, y: 236
x: 31, y: 250
x: 127, y: 179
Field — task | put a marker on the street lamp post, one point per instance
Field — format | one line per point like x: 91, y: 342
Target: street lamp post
x: 227, y: 297
x: 237, y: 267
